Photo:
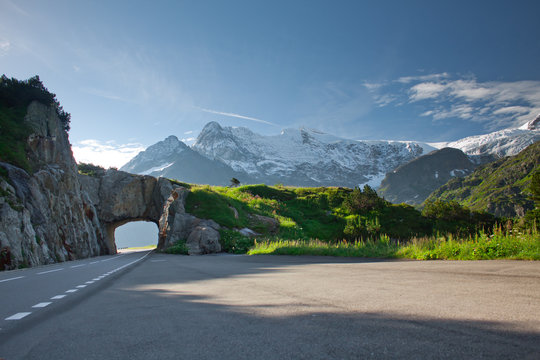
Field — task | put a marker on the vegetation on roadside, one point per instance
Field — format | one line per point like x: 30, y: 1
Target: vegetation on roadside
x: 499, y: 245
x: 344, y: 222
x: 179, y: 248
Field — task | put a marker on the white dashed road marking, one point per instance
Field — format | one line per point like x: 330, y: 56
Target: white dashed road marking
x: 42, y: 305
x: 15, y: 278
x: 21, y: 315
x: 50, y: 271
x: 18, y: 316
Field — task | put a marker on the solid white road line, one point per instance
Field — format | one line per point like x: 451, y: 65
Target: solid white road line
x: 50, y: 271
x: 15, y: 278
x: 76, y: 266
x: 94, y: 262
x: 58, y: 297
x: 18, y: 316
x: 72, y: 290
x: 42, y: 305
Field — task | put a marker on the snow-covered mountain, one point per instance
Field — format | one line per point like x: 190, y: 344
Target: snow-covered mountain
x: 499, y: 144
x: 305, y: 157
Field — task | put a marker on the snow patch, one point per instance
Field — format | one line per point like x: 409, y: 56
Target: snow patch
x: 157, y: 168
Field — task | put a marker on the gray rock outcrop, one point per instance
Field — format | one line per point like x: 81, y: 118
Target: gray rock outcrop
x: 201, y: 236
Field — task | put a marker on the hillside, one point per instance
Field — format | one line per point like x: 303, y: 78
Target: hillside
x: 499, y: 187
x: 413, y: 182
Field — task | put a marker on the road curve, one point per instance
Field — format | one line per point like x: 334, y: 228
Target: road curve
x: 281, y: 307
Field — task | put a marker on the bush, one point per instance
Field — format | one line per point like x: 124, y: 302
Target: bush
x: 179, y: 248
x: 90, y: 169
x: 234, y: 242
x: 359, y: 201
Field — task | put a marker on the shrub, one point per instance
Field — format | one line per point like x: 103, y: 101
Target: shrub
x: 179, y: 248
x: 234, y: 242
x: 359, y: 201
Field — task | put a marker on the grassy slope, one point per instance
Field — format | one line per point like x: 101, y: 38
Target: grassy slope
x: 313, y: 220
x: 497, y: 186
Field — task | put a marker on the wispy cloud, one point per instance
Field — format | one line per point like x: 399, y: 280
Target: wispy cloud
x: 429, y: 77
x: 4, y: 47
x: 496, y: 104
x: 237, y: 116
x: 104, y: 94
x: 105, y: 153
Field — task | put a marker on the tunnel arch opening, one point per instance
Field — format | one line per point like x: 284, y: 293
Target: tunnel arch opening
x: 135, y: 233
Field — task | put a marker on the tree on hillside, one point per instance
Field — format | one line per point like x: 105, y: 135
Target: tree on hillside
x: 359, y: 201
x: 235, y: 182
x: 20, y: 93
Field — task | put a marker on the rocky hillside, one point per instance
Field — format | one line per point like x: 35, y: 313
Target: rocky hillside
x: 499, y: 187
x: 300, y: 157
x: 413, y: 182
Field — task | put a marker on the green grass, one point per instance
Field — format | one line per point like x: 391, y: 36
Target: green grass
x: 13, y: 134
x: 303, y: 213
x: 481, y: 247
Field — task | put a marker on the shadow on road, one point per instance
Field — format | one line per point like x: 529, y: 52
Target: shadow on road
x: 160, y: 311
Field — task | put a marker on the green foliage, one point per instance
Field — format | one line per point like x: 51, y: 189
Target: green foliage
x: 15, y: 96
x: 179, y: 248
x: 482, y: 246
x: 180, y: 183
x: 534, y: 187
x: 234, y: 242
x: 360, y: 201
x: 325, y: 214
x: 19, y: 94
x: 445, y: 210
x: 90, y: 169
x: 235, y: 182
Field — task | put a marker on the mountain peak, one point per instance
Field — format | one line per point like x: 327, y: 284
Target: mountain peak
x: 534, y: 124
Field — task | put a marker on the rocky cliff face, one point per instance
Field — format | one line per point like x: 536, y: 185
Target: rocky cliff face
x: 45, y: 216
x: 53, y: 214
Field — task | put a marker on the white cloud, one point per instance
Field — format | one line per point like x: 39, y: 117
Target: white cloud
x: 427, y: 90
x: 237, y: 116
x: 496, y: 104
x: 188, y: 132
x: 512, y: 110
x: 430, y: 77
x: 106, y: 154
x: 4, y: 47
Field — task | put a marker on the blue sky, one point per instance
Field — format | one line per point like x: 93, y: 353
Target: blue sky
x: 133, y: 72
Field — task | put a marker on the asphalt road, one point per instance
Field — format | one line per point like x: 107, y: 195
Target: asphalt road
x: 269, y: 307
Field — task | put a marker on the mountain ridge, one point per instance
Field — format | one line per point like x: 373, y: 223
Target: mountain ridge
x: 307, y: 157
